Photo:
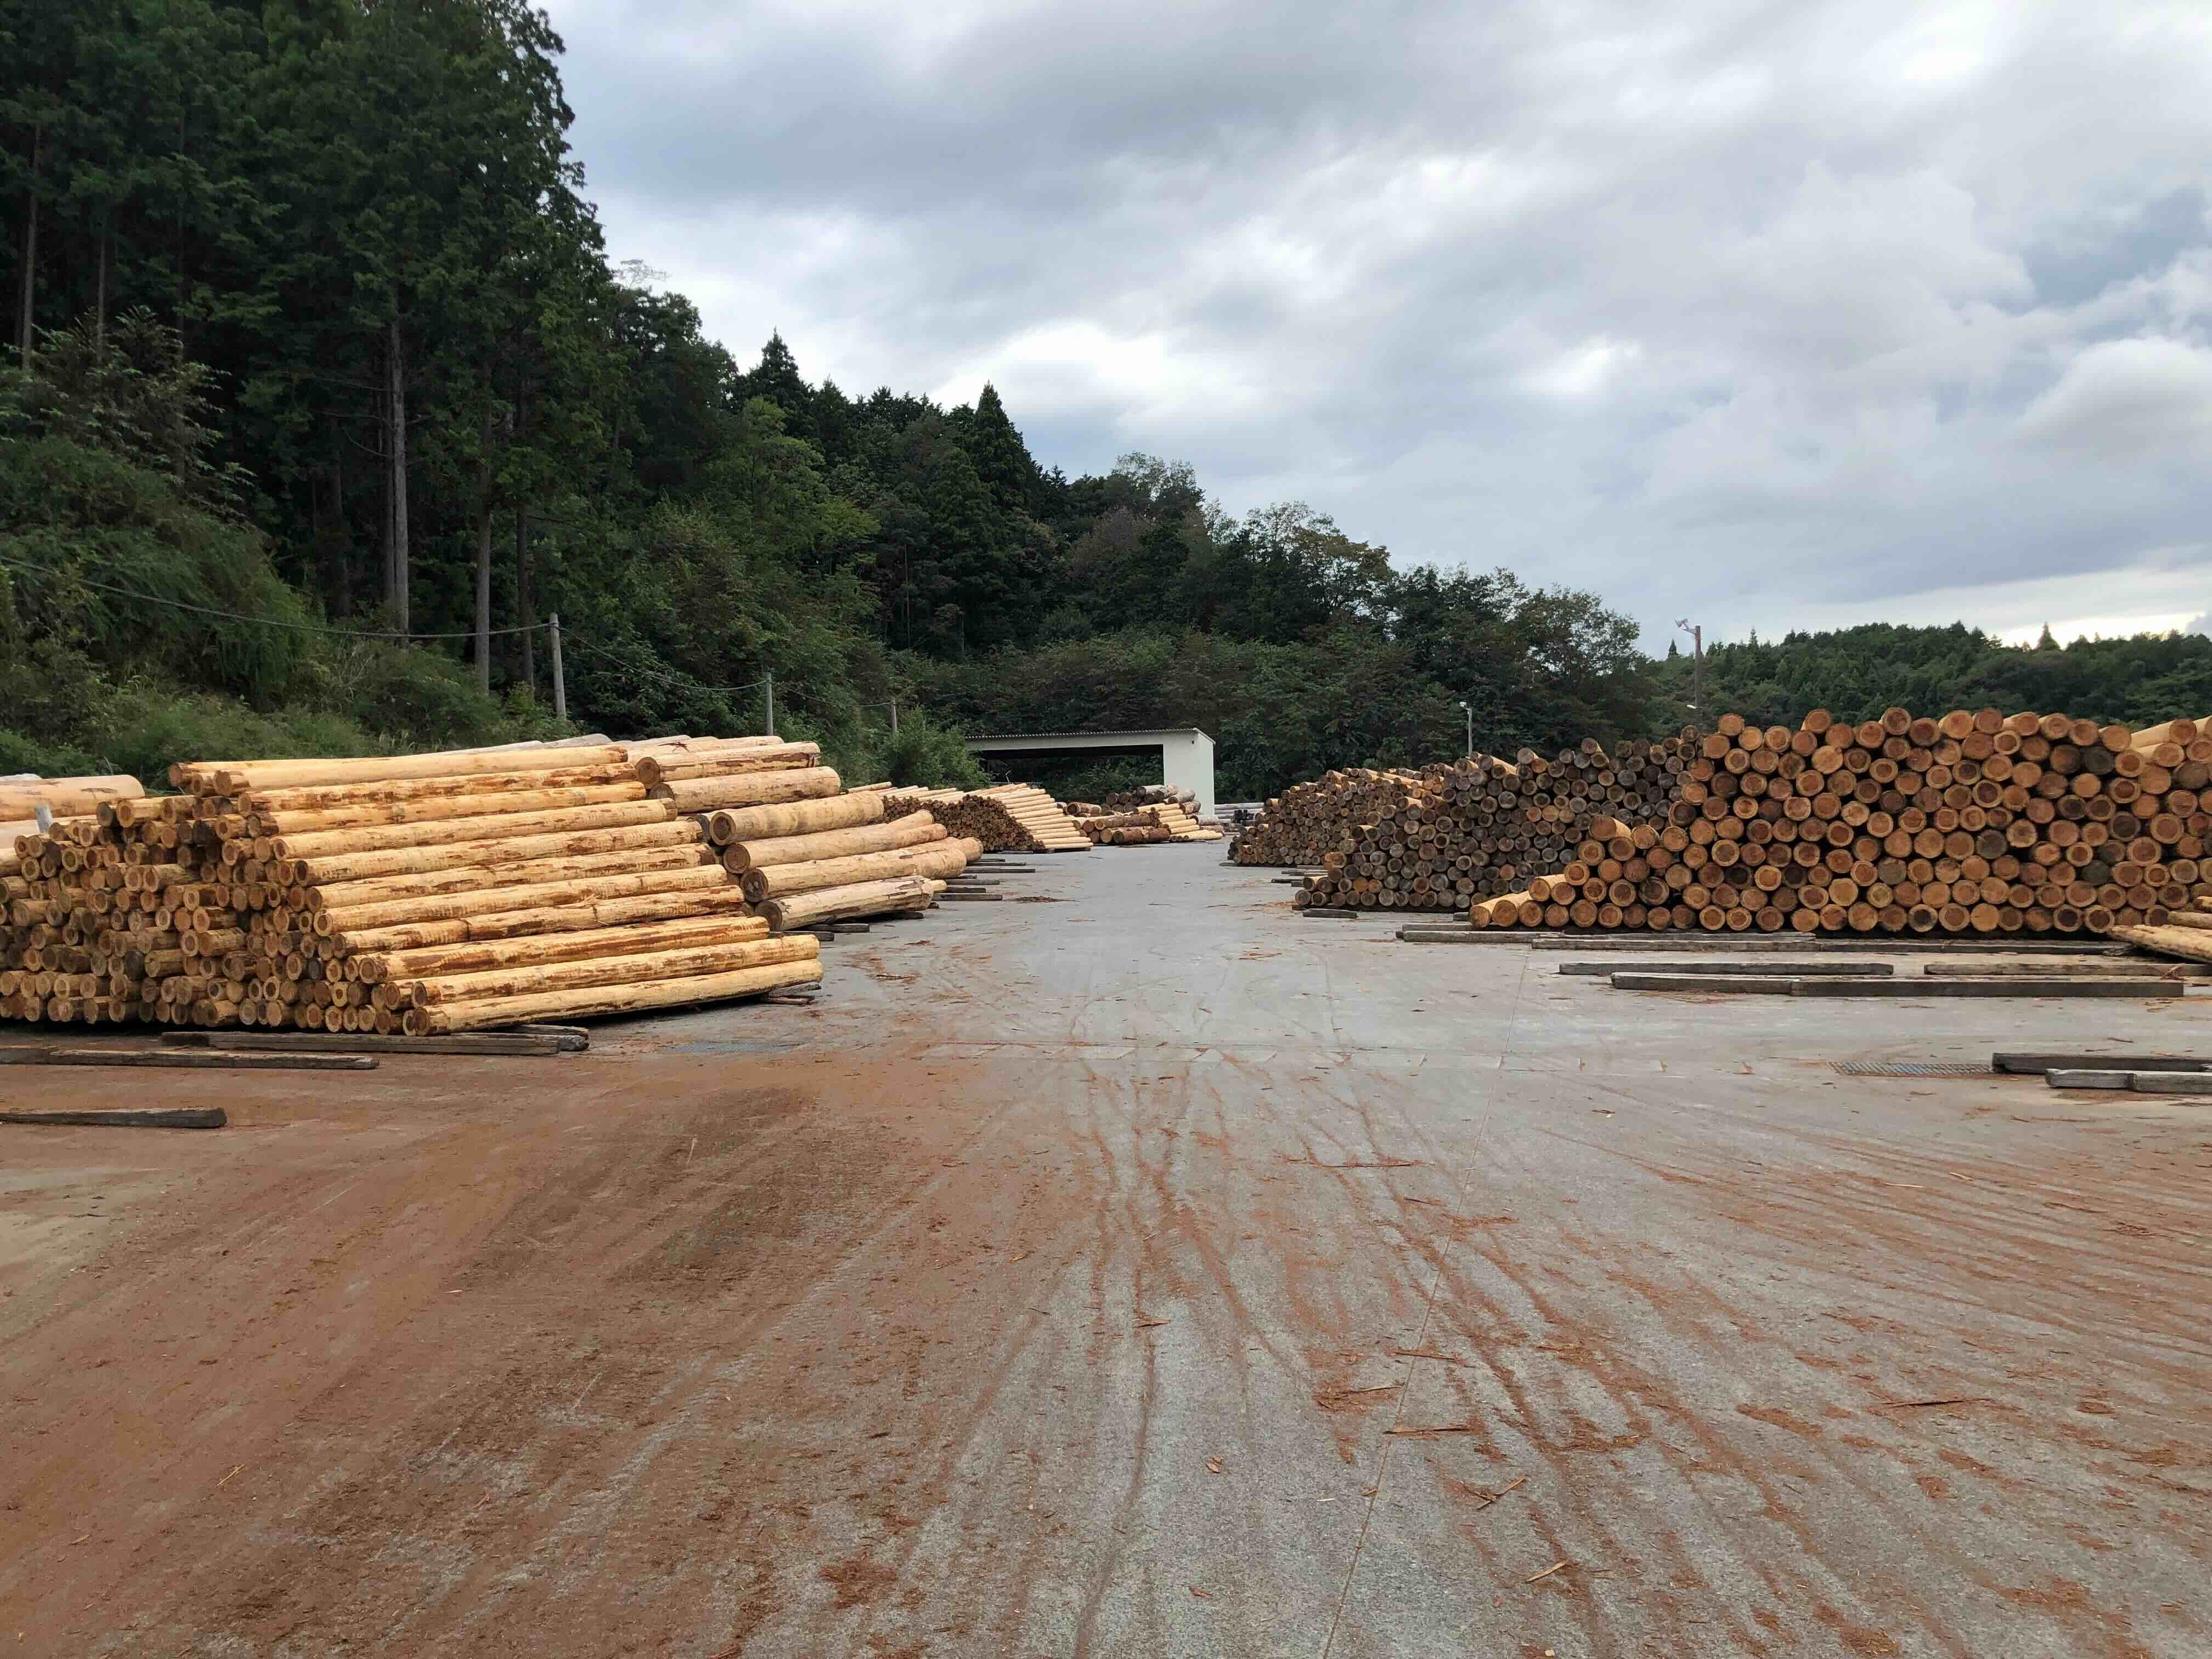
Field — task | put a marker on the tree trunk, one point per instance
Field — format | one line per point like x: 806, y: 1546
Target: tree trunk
x: 525, y: 602
x: 395, y: 557
x: 106, y: 257
x: 23, y: 325
x: 483, y: 582
x: 326, y: 505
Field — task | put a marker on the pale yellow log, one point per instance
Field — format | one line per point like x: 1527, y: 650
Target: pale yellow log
x: 663, y: 767
x: 726, y: 927
x: 2200, y: 920
x: 750, y: 789
x: 870, y: 898
x: 2190, y: 944
x: 386, y: 837
x: 911, y: 831
x: 937, y: 860
x: 688, y: 961
x: 610, y: 999
x: 65, y: 797
x: 435, y: 807
x: 517, y: 850
x: 2180, y: 731
x: 386, y: 890
x: 610, y: 880
x: 667, y: 746
x: 314, y: 798
x: 803, y: 817
x: 236, y: 777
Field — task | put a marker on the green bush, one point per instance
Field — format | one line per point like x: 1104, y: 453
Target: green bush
x: 21, y: 754
x: 928, y: 755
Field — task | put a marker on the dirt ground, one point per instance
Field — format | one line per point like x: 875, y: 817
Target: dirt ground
x: 1147, y: 1273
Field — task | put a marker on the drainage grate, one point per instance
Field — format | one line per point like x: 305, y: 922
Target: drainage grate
x: 1910, y: 1068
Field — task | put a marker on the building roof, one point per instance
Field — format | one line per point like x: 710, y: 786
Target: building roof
x: 1040, y: 739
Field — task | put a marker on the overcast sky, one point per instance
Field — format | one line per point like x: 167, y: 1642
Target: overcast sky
x: 1770, y: 315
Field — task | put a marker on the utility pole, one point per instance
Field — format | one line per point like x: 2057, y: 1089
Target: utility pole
x: 560, y: 681
x: 771, y: 683
x: 1470, y: 728
x: 1697, y: 661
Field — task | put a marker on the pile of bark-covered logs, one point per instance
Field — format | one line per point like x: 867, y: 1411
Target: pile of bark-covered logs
x: 1136, y: 800
x: 1164, y: 820
x: 423, y: 894
x: 1301, y: 827
x: 1973, y: 823
x: 1014, y: 817
x: 1440, y: 838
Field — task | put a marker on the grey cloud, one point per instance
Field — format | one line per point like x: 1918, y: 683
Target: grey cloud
x: 1794, y: 308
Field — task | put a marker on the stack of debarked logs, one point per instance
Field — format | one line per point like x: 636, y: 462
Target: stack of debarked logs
x: 441, y: 892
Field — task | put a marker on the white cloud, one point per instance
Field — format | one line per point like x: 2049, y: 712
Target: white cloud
x: 2121, y: 400
x: 1814, y: 310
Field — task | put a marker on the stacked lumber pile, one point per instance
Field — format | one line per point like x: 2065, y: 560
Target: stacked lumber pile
x: 1441, y: 838
x: 1976, y: 822
x: 1164, y: 820
x: 839, y: 858
x: 423, y: 894
x: 1014, y: 818
x: 22, y: 794
x: 1136, y: 800
x: 1306, y: 823
x: 1142, y: 829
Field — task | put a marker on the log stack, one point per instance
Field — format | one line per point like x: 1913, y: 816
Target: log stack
x: 1302, y: 826
x: 22, y: 794
x: 422, y: 894
x: 1974, y: 822
x: 1443, y: 837
x: 1164, y: 820
x: 1014, y: 818
x: 836, y: 858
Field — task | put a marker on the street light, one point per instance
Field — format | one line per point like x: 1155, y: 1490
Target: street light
x: 1470, y: 727
x: 1697, y: 660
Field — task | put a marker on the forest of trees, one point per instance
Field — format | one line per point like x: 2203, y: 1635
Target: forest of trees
x: 313, y: 342
x: 1856, y: 672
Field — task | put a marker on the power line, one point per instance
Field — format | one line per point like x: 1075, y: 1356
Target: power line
x: 266, y: 622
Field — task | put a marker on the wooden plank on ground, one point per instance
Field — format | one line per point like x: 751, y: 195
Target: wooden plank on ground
x: 1762, y: 985
x: 340, y: 1042
x: 190, y: 1117
x: 1758, y: 985
x: 183, y: 1060
x: 1437, y: 931
x: 2026, y: 1064
x: 2136, y: 987
x: 1770, y: 969
x: 2145, y: 967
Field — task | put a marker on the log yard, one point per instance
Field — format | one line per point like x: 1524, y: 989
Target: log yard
x: 658, y: 1196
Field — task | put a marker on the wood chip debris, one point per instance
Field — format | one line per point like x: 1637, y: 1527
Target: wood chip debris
x: 1501, y: 1493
